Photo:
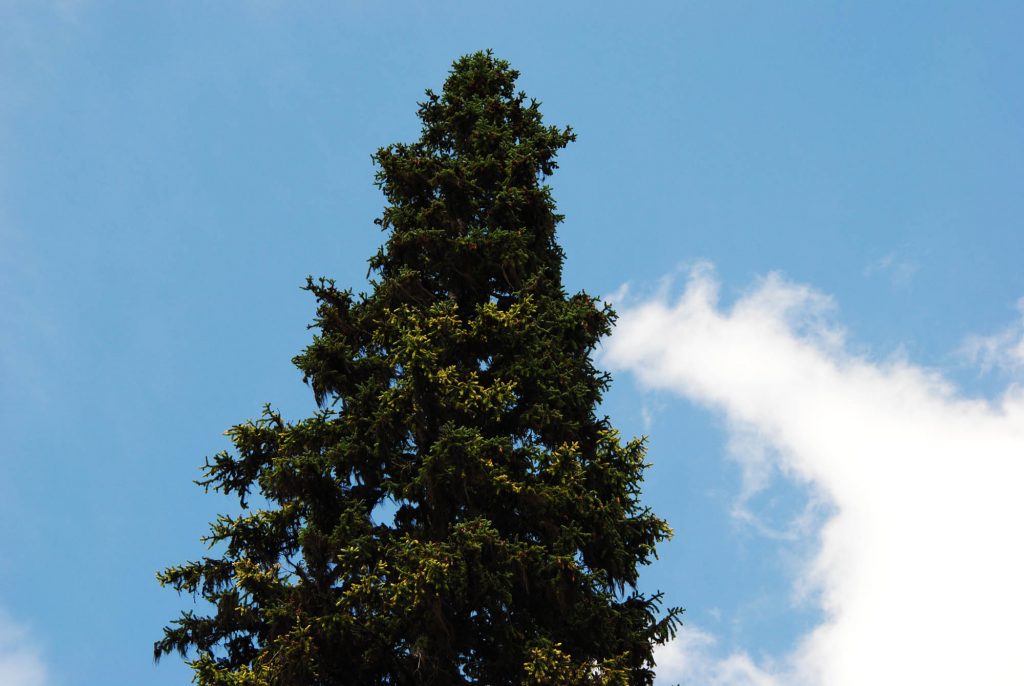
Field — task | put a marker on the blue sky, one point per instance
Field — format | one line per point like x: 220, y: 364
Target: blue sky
x: 809, y: 215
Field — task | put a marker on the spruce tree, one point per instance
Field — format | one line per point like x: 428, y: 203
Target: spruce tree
x: 456, y: 511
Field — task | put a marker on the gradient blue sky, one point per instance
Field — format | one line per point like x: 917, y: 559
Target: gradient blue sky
x: 171, y: 172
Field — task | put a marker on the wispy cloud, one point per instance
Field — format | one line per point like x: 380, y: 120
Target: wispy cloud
x: 20, y: 660
x: 1003, y: 350
x: 900, y: 272
x: 918, y: 565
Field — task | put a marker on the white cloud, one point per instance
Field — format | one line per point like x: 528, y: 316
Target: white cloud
x: 691, y: 659
x: 20, y: 662
x: 919, y: 566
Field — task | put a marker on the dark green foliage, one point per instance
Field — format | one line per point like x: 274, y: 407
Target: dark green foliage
x: 460, y: 394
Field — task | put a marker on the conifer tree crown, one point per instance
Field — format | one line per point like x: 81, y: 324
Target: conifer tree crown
x: 456, y: 512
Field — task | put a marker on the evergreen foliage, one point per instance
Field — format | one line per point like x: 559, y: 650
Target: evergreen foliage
x: 457, y: 404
